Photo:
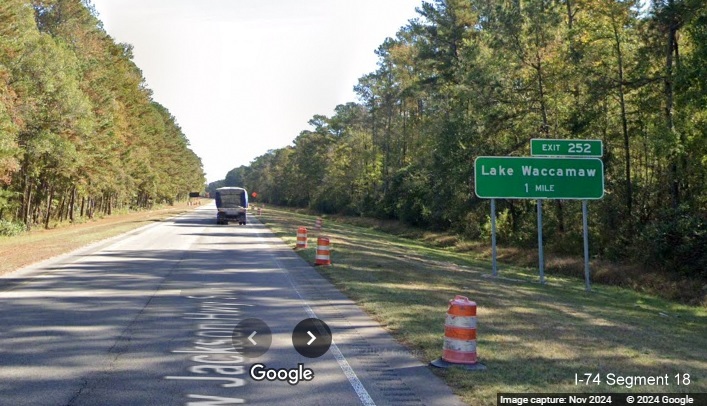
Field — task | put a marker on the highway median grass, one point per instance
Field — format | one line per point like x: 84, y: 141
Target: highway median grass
x: 531, y: 337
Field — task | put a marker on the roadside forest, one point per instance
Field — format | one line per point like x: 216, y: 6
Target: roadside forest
x: 80, y: 134
x: 482, y: 77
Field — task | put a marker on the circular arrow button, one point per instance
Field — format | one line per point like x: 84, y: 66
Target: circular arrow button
x: 252, y: 337
x: 311, y: 338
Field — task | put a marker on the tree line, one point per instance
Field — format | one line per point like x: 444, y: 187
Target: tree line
x: 482, y: 77
x: 79, y: 131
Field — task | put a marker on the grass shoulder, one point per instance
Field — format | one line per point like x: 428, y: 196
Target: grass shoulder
x: 640, y: 278
x: 532, y: 337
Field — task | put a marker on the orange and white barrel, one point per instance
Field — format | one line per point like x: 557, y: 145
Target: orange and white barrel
x: 322, y: 257
x: 318, y: 224
x: 301, y: 238
x: 460, y: 332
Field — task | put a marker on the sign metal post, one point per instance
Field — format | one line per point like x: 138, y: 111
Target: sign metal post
x: 494, y: 267
x: 586, y: 246
x: 541, y: 259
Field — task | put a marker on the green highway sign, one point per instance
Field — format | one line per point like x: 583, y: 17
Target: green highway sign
x: 501, y: 177
x: 574, y: 148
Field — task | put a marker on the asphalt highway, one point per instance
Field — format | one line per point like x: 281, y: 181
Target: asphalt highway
x: 148, y: 318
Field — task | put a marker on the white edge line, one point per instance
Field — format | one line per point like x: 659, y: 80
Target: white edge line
x: 358, y: 387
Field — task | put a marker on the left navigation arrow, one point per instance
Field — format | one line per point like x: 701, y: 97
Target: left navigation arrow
x: 243, y: 338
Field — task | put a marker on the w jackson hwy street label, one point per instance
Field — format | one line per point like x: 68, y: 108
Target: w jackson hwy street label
x: 538, y: 178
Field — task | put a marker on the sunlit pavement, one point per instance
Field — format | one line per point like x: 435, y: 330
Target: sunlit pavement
x: 147, y: 319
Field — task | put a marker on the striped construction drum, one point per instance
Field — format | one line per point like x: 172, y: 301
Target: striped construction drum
x: 301, y: 238
x: 460, y: 332
x: 322, y: 257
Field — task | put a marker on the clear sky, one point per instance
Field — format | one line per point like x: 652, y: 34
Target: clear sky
x: 244, y: 76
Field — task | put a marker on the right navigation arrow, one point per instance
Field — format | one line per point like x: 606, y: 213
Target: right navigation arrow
x: 313, y: 338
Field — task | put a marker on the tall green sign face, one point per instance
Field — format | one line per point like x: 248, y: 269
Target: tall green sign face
x: 569, y: 148
x: 538, y: 178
